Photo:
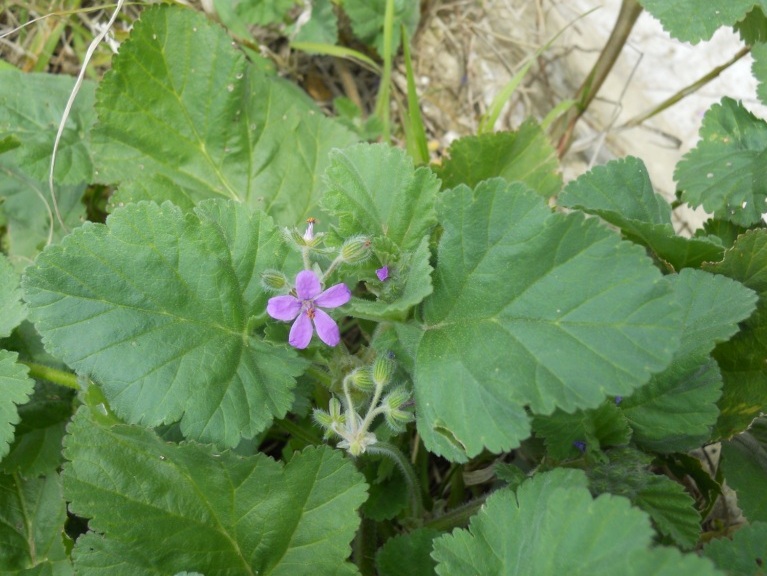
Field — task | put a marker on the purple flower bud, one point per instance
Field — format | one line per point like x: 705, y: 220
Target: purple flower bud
x: 618, y: 400
x: 382, y: 273
x: 580, y: 445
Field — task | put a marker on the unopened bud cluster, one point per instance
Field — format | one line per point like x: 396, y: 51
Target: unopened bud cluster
x: 354, y: 250
x: 349, y: 425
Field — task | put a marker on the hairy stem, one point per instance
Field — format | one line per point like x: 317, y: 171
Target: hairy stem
x: 54, y: 375
x: 563, y: 129
x: 413, y: 487
x: 457, y: 517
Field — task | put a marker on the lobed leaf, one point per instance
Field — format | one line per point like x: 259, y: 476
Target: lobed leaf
x: 620, y: 193
x: 155, y: 305
x: 551, y: 526
x: 185, y: 507
x: 408, y: 284
x: 525, y: 156
x: 619, y: 189
x: 531, y: 308
x: 745, y: 466
x: 31, y: 108
x: 693, y: 20
x: 32, y: 515
x: 677, y: 409
x: 186, y: 121
x: 374, y: 189
x: 672, y: 510
x: 597, y: 428
x: 367, y: 20
x: 36, y: 448
x: 408, y: 554
x: 759, y: 69
x: 726, y: 172
x: 12, y: 310
x: 15, y: 389
x: 744, y: 554
x: 743, y: 359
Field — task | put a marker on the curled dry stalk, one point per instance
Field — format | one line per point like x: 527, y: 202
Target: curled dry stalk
x: 68, y: 108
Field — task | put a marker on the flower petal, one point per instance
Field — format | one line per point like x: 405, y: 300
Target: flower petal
x: 283, y: 307
x: 307, y: 285
x: 382, y: 273
x: 327, y: 329
x: 301, y: 332
x: 334, y: 296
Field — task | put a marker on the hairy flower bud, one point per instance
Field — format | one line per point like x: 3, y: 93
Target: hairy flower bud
x: 274, y: 281
x: 383, y: 369
x: 361, y: 379
x: 355, y: 250
x: 396, y: 417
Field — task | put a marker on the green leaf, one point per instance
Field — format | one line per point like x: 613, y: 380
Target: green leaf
x: 745, y: 468
x: 8, y: 143
x: 677, y: 409
x: 407, y: 554
x: 12, y: 311
x: 185, y: 121
x: 239, y: 15
x: 322, y: 27
x: 726, y: 172
x: 672, y: 510
x: 627, y: 473
x: 154, y: 306
x: 31, y: 108
x: 744, y: 555
x: 620, y: 193
x: 525, y: 155
x: 693, y: 20
x: 670, y: 562
x: 753, y: 28
x: 712, y: 308
x: 367, y: 20
x: 743, y: 359
x: 598, y: 428
x: 373, y: 189
x: 551, y: 526
x: 15, y: 389
x: 36, y: 449
x: 759, y: 68
x: 204, y: 511
x: 620, y: 188
x: 29, y: 213
x: 32, y: 515
x: 502, y: 332
x: 408, y: 284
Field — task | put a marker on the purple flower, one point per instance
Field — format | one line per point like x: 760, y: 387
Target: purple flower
x: 305, y: 306
x: 580, y: 445
x: 382, y: 273
x: 618, y: 400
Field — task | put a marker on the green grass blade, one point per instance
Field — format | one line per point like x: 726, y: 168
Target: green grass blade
x: 382, y: 101
x: 415, y: 134
x: 337, y: 51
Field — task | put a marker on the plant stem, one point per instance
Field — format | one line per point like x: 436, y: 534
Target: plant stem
x: 413, y: 487
x: 365, y: 546
x: 563, y: 129
x: 687, y: 90
x: 298, y: 432
x: 457, y: 517
x: 54, y: 375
